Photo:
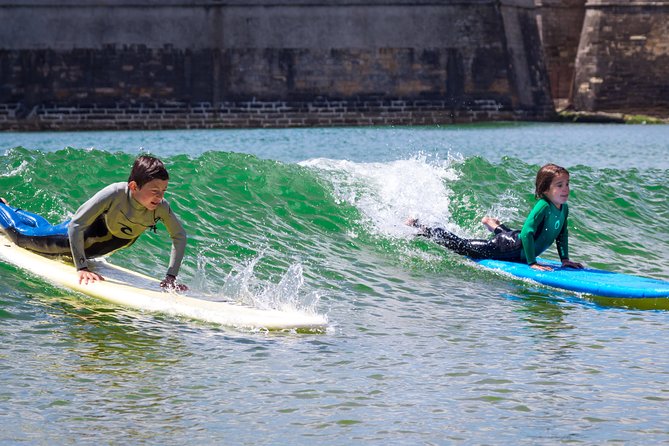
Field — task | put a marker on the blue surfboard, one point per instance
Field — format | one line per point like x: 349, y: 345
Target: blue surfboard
x: 588, y: 280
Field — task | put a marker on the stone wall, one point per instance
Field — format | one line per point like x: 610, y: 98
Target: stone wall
x: 623, y: 58
x: 561, y: 23
x: 206, y: 63
x: 322, y: 112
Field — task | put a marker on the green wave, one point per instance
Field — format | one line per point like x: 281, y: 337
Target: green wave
x: 344, y: 220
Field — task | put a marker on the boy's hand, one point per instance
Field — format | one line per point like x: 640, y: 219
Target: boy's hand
x: 569, y: 264
x: 170, y: 284
x: 86, y: 276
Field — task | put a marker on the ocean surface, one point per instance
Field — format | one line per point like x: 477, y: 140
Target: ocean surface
x: 422, y: 346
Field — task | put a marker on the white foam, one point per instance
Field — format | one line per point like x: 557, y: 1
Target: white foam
x: 241, y: 285
x: 389, y: 193
x: 20, y: 169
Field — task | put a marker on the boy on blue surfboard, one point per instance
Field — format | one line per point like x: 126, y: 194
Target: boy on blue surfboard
x: 546, y: 223
x: 112, y: 219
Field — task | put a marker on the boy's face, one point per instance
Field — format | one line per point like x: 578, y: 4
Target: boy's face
x: 151, y: 194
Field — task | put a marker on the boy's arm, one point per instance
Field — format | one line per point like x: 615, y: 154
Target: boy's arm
x: 82, y: 219
x: 179, y: 240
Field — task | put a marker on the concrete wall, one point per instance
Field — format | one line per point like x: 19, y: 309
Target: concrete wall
x: 561, y: 23
x: 218, y: 56
x: 623, y: 57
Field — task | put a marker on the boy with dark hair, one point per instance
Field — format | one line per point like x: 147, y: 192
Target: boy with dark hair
x: 112, y: 219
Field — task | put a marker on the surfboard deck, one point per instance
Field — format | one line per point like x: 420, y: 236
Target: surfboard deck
x: 135, y: 290
x: 616, y: 287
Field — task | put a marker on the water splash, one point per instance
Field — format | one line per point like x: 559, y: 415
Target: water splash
x: 241, y: 285
x: 17, y: 170
x: 388, y: 193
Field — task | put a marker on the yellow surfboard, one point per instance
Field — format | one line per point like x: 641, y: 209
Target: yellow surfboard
x: 134, y: 290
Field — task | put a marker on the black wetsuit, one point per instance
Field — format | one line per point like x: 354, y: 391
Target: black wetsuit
x: 504, y: 245
x: 35, y: 233
x: 544, y: 225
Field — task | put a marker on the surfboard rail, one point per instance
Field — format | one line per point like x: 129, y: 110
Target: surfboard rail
x: 610, y: 288
x: 135, y: 290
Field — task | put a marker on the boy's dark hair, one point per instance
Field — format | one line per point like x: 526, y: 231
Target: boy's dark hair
x: 545, y: 178
x: 147, y: 168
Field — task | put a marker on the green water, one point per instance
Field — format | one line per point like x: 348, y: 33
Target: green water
x: 422, y: 348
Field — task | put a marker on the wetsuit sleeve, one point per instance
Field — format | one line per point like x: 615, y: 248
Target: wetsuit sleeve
x: 528, y: 233
x: 83, y: 218
x: 562, y: 240
x: 179, y: 239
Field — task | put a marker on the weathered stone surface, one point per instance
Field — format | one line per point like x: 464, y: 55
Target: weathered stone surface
x: 317, y: 111
x: 140, y: 56
x: 623, y: 58
x: 560, y: 24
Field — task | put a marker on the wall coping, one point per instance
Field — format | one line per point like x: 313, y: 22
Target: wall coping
x: 239, y: 3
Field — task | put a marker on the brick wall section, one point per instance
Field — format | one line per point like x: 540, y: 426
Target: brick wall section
x: 316, y: 112
x: 623, y: 58
x: 257, y: 63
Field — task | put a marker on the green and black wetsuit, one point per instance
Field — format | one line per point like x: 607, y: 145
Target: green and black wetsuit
x: 544, y: 225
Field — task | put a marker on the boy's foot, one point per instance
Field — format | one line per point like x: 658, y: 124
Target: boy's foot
x: 490, y: 223
x: 411, y: 221
x: 4, y: 201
